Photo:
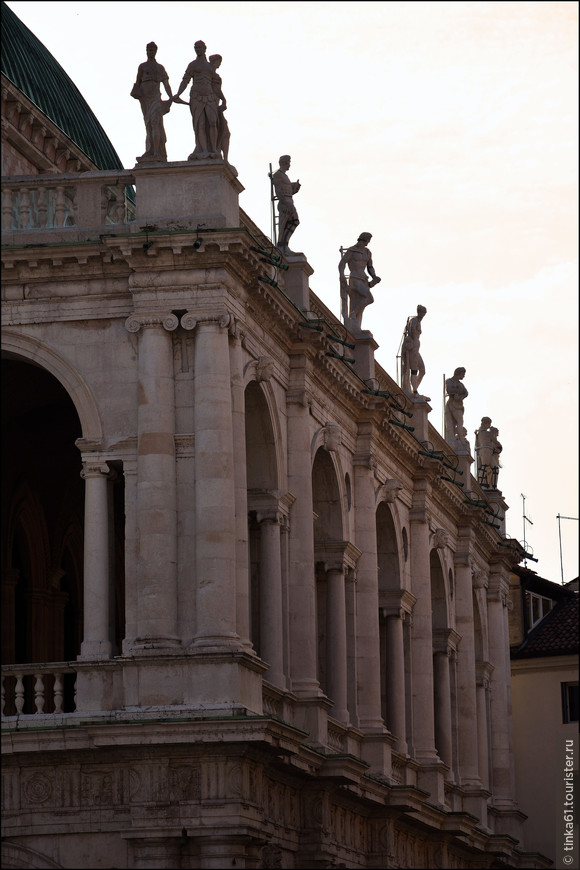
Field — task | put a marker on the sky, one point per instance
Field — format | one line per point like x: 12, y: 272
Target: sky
x: 448, y: 130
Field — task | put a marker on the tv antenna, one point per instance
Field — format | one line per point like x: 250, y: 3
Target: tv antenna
x: 526, y: 519
x: 559, y: 517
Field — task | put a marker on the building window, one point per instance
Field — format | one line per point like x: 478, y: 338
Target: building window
x: 538, y: 607
x: 569, y: 702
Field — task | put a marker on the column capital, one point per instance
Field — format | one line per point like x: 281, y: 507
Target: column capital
x: 222, y: 319
x: 95, y: 468
x: 337, y: 555
x: 135, y: 322
x: 483, y: 672
x: 398, y: 603
x: 446, y: 641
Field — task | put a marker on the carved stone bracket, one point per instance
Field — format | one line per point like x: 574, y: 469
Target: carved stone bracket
x: 260, y: 369
x: 440, y: 539
x: 332, y: 437
x: 389, y: 490
x: 480, y: 579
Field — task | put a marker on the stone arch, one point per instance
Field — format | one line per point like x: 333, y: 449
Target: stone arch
x: 328, y: 496
x: 263, y: 437
x: 15, y: 856
x: 439, y: 591
x: 36, y: 352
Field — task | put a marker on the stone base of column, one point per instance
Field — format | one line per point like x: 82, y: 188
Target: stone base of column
x: 420, y: 420
x: 157, y: 642
x: 213, y: 682
x: 296, y: 280
x: 475, y: 803
x: 364, y: 354
x: 507, y: 820
x: 311, y: 715
x: 376, y: 751
x: 95, y: 649
x: 99, y: 688
x: 431, y: 778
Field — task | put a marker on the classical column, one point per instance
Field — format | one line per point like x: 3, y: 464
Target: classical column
x: 156, y: 483
x: 96, y: 641
x: 271, y: 630
x: 502, y: 764
x: 395, y: 613
x: 469, y: 775
x: 367, y: 637
x: 302, y: 587
x: 131, y: 553
x: 336, y: 654
x: 442, y: 697
x: 423, y: 713
x: 215, y: 497
x: 483, y: 674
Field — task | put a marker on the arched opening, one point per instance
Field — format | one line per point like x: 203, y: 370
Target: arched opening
x: 266, y: 586
x: 331, y: 604
x: 42, y: 525
x: 393, y: 628
x: 443, y: 676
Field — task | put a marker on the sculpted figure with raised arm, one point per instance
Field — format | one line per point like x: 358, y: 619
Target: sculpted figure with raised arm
x: 150, y: 75
x: 356, y: 288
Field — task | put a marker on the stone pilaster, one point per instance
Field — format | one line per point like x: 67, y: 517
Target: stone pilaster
x: 215, y: 520
x: 295, y: 280
x: 156, y: 483
x: 131, y: 553
x: 241, y: 494
x: 444, y: 649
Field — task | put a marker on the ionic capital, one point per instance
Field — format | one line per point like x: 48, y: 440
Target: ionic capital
x: 135, y: 322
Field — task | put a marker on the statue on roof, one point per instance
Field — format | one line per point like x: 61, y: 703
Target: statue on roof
x: 484, y: 453
x: 223, y: 131
x: 455, y: 432
x: 203, y: 103
x: 287, y: 214
x: 356, y: 288
x: 150, y: 75
x: 412, y: 365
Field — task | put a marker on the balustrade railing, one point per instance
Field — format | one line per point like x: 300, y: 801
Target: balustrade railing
x: 38, y: 689
x: 43, y: 202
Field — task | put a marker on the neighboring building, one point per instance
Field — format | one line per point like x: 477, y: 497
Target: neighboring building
x: 255, y: 608
x: 544, y: 665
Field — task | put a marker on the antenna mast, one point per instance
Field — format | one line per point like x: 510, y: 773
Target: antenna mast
x: 525, y: 520
x: 558, y: 517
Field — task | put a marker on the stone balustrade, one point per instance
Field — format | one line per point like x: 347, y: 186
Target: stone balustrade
x: 38, y: 689
x: 41, y: 202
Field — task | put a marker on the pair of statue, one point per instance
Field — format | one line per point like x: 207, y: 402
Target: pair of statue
x: 487, y: 451
x: 206, y: 102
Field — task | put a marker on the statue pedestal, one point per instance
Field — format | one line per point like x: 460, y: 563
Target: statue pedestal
x: 296, y: 280
x: 176, y: 196
x: 364, y: 354
x: 420, y: 407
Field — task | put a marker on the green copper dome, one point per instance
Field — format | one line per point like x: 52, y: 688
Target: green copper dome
x: 35, y: 72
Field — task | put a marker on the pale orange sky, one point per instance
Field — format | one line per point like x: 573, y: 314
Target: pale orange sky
x: 449, y: 130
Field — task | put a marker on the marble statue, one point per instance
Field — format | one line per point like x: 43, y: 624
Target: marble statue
x: 285, y: 190
x: 412, y: 365
x: 495, y: 465
x: 223, y: 132
x: 356, y: 289
x: 203, y: 104
x: 455, y: 432
x: 484, y: 453
x: 150, y: 75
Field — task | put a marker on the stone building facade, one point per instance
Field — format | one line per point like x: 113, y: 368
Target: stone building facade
x: 255, y: 609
